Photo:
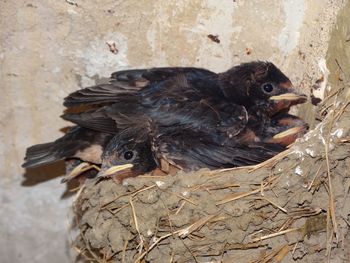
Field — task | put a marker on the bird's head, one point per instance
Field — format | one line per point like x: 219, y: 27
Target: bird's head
x: 260, y: 84
x: 127, y: 156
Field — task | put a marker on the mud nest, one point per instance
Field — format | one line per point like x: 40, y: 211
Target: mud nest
x: 294, y: 207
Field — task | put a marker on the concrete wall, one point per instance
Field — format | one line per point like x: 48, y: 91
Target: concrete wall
x: 50, y: 48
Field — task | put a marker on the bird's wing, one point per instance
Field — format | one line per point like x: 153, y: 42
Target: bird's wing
x: 228, y: 119
x: 97, y: 120
x: 157, y: 74
x: 189, y: 99
x: 99, y: 94
x: 77, y: 143
x: 194, y: 102
x: 192, y: 151
x: 127, y: 82
x: 110, y: 118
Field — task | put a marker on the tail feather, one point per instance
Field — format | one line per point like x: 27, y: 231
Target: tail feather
x: 79, y: 142
x: 93, y: 122
x: 38, y: 155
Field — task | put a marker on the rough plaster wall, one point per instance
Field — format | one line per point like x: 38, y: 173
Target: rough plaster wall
x: 50, y: 48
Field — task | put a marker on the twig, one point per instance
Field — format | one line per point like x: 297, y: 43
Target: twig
x: 168, y: 214
x: 272, y: 161
x: 180, y: 208
x: 331, y: 197
x: 275, y: 234
x: 313, y: 179
x: 126, y: 194
x: 346, y: 221
x: 90, y: 251
x: 136, y: 223
x: 151, y: 247
x: 273, y: 203
x: 189, y: 250
x: 117, y: 210
x: 195, y: 226
x: 295, y: 248
x: 124, y: 250
x: 182, y: 197
x: 237, y: 196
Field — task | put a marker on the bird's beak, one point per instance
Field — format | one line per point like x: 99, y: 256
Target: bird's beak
x: 292, y: 97
x: 114, y: 169
x: 289, y: 132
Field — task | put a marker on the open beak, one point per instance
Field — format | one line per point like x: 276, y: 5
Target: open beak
x: 115, y: 169
x: 292, y: 97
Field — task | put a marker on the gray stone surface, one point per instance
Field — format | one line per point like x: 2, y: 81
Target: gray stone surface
x: 50, y: 48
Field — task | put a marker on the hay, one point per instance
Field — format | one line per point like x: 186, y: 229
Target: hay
x: 295, y: 206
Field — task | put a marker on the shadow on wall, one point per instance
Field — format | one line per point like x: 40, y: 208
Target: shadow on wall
x: 42, y: 174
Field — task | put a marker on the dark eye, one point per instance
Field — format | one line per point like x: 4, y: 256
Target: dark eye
x: 128, y: 155
x: 267, y: 87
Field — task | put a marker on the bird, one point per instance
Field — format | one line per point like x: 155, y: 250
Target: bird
x: 186, y: 97
x: 130, y: 156
x: 248, y: 84
x: 129, y: 153
x: 168, y: 103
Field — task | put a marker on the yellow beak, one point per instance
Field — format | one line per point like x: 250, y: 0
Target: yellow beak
x: 288, y: 132
x: 290, y: 97
x: 114, y: 169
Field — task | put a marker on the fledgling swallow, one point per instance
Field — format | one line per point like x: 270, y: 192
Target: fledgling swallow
x: 187, y: 97
x: 191, y: 150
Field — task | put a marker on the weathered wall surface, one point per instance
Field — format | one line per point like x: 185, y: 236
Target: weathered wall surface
x: 50, y: 48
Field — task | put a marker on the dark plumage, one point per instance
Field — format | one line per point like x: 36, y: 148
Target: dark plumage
x: 190, y: 117
x: 194, y: 118
x: 186, y: 97
x: 189, y: 150
x: 249, y: 84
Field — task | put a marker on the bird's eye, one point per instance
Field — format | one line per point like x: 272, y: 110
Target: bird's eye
x: 267, y: 87
x: 128, y: 155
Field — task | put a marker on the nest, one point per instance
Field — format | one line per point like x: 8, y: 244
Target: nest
x: 295, y: 206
